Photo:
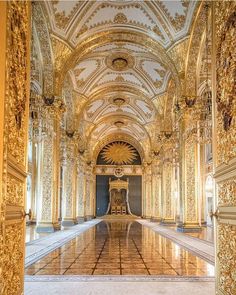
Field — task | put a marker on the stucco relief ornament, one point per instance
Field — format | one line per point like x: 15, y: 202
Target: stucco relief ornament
x: 119, y: 171
x: 120, y: 18
x: 226, y: 72
x: 120, y: 61
x: 17, y: 61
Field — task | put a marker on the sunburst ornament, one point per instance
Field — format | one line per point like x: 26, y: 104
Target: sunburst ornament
x: 119, y: 153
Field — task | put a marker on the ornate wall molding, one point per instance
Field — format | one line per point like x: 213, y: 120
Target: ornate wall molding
x: 225, y: 29
x: 15, y: 58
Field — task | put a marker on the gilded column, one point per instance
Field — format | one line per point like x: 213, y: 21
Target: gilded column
x: 89, y: 193
x: 80, y: 191
x: 34, y: 183
x: 57, y: 168
x: 148, y: 191
x: 189, y: 219
x: 69, y: 184
x: 168, y: 202
x: 47, y: 201
x: 156, y: 192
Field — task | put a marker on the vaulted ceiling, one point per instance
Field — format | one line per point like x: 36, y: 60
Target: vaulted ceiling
x: 120, y: 57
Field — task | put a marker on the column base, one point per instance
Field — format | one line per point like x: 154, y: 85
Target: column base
x: 155, y: 219
x: 68, y: 222
x: 188, y: 228
x: 147, y: 217
x: 88, y: 217
x: 42, y: 227
x: 167, y: 222
x: 57, y: 226
x: 80, y: 219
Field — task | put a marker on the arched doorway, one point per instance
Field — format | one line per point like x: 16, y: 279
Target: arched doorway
x: 121, y: 161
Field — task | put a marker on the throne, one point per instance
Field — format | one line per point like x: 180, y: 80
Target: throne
x: 118, y: 202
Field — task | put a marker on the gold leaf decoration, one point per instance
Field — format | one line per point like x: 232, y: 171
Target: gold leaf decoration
x: 120, y: 18
x: 119, y: 153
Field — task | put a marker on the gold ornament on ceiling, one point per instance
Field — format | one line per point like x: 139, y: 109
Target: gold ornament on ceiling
x: 119, y: 124
x: 120, y: 18
x: 119, y: 153
x: 120, y: 61
x: 119, y: 101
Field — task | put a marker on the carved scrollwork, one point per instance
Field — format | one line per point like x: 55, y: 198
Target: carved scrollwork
x: 225, y: 28
x: 12, y: 260
x: 16, y: 76
x: 227, y: 258
x: 17, y: 59
x: 226, y: 71
x: 190, y: 197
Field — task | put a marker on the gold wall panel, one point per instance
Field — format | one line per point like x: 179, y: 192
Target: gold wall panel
x: 224, y: 69
x: 227, y: 193
x: 226, y: 259
x: 225, y: 31
x: 14, y: 79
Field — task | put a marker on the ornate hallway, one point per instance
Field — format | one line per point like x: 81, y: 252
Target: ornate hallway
x: 117, y: 147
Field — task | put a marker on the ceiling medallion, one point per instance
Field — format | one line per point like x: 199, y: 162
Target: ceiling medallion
x: 120, y: 18
x: 119, y: 124
x: 120, y: 61
x: 119, y: 153
x: 118, y: 101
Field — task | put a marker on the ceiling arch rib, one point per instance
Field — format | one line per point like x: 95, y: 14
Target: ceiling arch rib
x: 117, y: 123
x: 119, y: 99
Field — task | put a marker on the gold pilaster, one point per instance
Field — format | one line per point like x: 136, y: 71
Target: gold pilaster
x: 14, y: 105
x: 48, y: 198
x: 224, y: 139
x: 168, y: 204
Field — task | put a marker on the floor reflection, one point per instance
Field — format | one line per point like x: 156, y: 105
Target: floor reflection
x: 121, y: 248
x: 31, y: 234
x: 207, y: 233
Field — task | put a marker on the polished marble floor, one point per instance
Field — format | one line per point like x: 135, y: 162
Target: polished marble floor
x: 121, y: 248
x: 31, y: 234
x: 207, y: 234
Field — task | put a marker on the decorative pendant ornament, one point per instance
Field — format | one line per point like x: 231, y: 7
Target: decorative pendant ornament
x: 119, y: 171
